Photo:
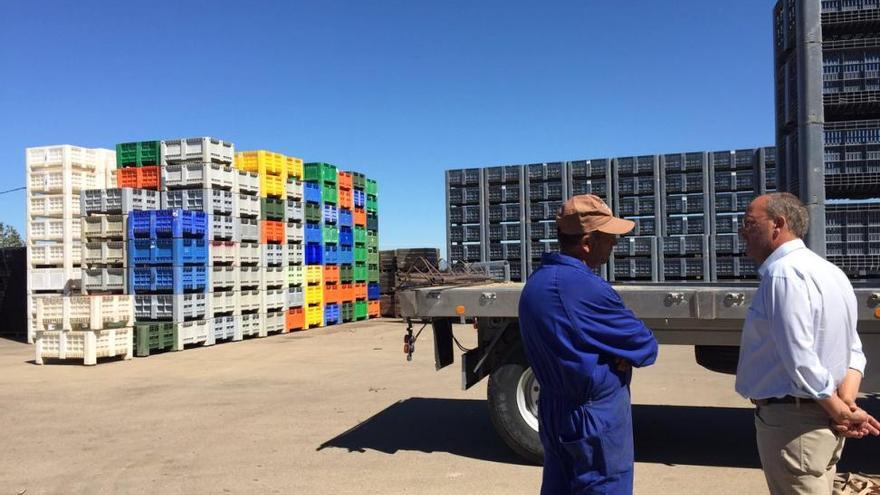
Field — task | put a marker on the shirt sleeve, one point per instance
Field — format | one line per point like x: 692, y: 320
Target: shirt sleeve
x: 791, y: 327
x: 609, y: 327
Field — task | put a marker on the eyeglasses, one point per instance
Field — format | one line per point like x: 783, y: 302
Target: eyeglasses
x: 750, y: 223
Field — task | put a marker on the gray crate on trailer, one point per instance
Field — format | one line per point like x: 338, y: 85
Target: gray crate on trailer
x: 629, y: 246
x: 504, y: 193
x: 767, y: 169
x: 505, y: 174
x: 732, y: 267
x: 729, y: 244
x: 543, y: 210
x: 636, y: 184
x: 466, y: 204
x: 510, y: 251
x: 852, y: 238
x: 542, y: 230
x: 684, y: 258
x: 592, y: 176
x: 505, y: 232
x: 686, y: 225
x: 852, y: 158
x: 511, y: 212
x: 634, y: 268
x: 685, y: 193
x: 464, y: 214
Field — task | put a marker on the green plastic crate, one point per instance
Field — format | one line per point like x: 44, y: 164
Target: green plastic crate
x: 372, y: 255
x: 154, y: 337
x: 329, y: 193
x: 272, y: 209
x: 372, y: 239
x: 372, y: 204
x: 360, y: 253
x: 358, y: 180
x: 138, y: 154
x: 320, y: 172
x: 313, y: 212
x: 346, y: 311
x: 372, y: 222
x: 373, y: 272
x: 330, y: 234
x: 360, y: 310
x: 346, y: 274
x: 360, y: 271
x: 360, y: 235
x: 372, y: 187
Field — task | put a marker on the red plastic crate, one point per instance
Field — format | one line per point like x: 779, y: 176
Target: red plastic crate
x: 331, y: 293
x: 331, y: 274
x: 344, y: 180
x: 271, y: 232
x: 346, y: 198
x: 346, y: 292
x: 138, y: 177
x: 373, y: 309
x: 360, y: 217
x: 360, y: 290
x: 295, y: 319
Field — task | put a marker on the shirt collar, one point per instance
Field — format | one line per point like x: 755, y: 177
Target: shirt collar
x: 780, y: 252
x: 563, y: 259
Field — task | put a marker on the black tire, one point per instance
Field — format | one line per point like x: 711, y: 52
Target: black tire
x: 505, y: 413
x: 718, y: 358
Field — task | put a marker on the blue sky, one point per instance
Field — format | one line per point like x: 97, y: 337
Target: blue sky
x: 400, y: 90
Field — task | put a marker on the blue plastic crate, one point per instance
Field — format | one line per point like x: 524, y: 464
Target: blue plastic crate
x: 345, y: 255
x: 346, y: 236
x: 167, y: 279
x: 167, y: 251
x: 314, y: 253
x: 330, y: 214
x: 360, y: 198
x: 166, y: 223
x: 331, y: 314
x: 312, y: 192
x: 346, y: 218
x: 313, y: 233
x: 331, y: 254
x: 373, y: 291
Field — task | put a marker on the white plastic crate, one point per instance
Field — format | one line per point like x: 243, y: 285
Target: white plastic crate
x: 273, y: 255
x: 222, y: 303
x: 103, y: 279
x: 271, y: 323
x: 295, y: 232
x: 293, y: 211
x: 103, y: 227
x: 247, y: 182
x: 88, y: 345
x: 50, y: 205
x: 103, y: 252
x: 294, y: 253
x: 272, y: 276
x: 224, y: 328
x: 118, y: 201
x: 52, y: 180
x: 193, y: 332
x: 198, y: 175
x: 294, y: 297
x: 221, y: 228
x: 294, y: 190
x: 222, y: 277
x: 294, y: 275
x: 169, y: 307
x: 248, y: 301
x: 94, y: 159
x: 249, y: 276
x: 247, y: 230
x: 214, y: 201
x: 197, y: 150
x: 83, y: 312
x: 248, y: 253
x: 53, y: 254
x: 247, y: 205
x: 52, y: 229
x: 54, y: 279
x: 272, y: 300
x: 222, y: 252
x: 250, y: 324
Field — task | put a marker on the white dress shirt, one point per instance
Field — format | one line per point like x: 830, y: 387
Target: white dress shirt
x: 799, y: 336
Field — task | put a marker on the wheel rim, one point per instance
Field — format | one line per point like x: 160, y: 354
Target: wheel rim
x: 527, y: 391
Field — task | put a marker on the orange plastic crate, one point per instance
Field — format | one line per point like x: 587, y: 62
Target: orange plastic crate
x: 373, y: 309
x: 346, y: 198
x: 331, y: 274
x: 360, y: 290
x: 346, y: 292
x: 138, y: 177
x: 295, y: 319
x: 331, y: 293
x: 344, y: 180
x: 271, y: 232
x: 360, y: 217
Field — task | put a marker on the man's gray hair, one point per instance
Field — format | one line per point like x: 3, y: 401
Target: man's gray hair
x: 788, y: 206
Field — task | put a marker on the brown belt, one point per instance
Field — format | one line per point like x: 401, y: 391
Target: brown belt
x: 788, y: 399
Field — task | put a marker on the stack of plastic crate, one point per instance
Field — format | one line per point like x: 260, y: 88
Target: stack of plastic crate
x: 684, y: 246
x: 345, y: 256
x: 138, y: 163
x: 591, y: 177
x: 360, y: 272
x: 545, y: 190
x: 168, y: 278
x: 372, y: 207
x: 56, y: 175
x: 294, y: 255
x: 637, y: 198
x: 323, y: 177
x: 734, y: 185
x: 504, y: 199
x: 465, y: 200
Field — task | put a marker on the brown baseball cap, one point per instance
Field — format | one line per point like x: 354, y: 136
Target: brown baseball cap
x: 586, y: 213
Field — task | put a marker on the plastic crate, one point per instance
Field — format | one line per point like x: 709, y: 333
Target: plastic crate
x: 54, y: 279
x: 314, y: 295
x: 294, y: 167
x: 329, y: 234
x: 497, y: 213
x: 687, y: 204
x: 294, y: 275
x: 249, y: 277
x: 640, y: 165
x: 103, y: 227
x: 294, y: 211
x: 329, y: 194
x: 314, y: 316
x: 331, y: 274
x: 313, y: 213
x: 331, y: 314
x: 314, y: 253
x: 346, y: 292
x: 686, y: 225
x: 248, y: 253
x: 192, y: 332
x: 330, y: 214
x: 346, y: 218
x: 312, y: 192
x: 166, y: 223
x: 167, y: 279
x: 504, y: 174
x: 272, y: 322
x: 637, y: 206
x: 222, y: 278
x: 222, y: 302
x: 346, y: 236
x: 598, y: 187
x: 247, y: 229
x: 167, y: 251
x: 728, y: 244
x: 359, y: 199
x: 118, y: 201
x: 54, y: 229
x: 505, y: 232
x: 344, y: 180
x: 466, y: 252
x: 360, y: 253
x: 685, y: 245
x: 360, y: 310
x: 373, y: 291
x: 138, y: 154
x: 503, y: 194
x: 250, y: 324
x: 53, y: 205
x: 690, y: 182
x: 741, y: 180
x: 248, y: 301
x: 139, y: 178
x: 345, y: 198
x: 87, y: 345
x: 465, y: 233
x: 51, y: 180
x: 54, y: 254
x: 734, y: 268
x: 272, y: 209
x: 320, y: 172
x: 372, y: 187
x: 246, y: 182
x: 545, y: 171
x: 314, y: 275
x: 332, y: 293
x: 729, y: 223
x: 197, y: 149
x: 99, y: 253
x: 294, y: 232
x: 294, y: 319
x: 83, y: 312
x: 331, y: 254
x: 222, y: 252
x: 272, y: 276
x: 542, y: 230
x: 691, y: 268
x: 151, y: 337
x: 459, y: 177
x: 636, y: 186
x: 458, y: 196
x: 103, y: 280
x: 636, y: 246
x: 198, y: 176
x: 224, y: 328
x: 372, y: 222
x: 733, y: 201
x: 360, y: 235
x: 360, y: 217
x: 545, y: 191
x: 372, y: 204
x: 644, y: 226
x: 272, y: 186
x: 273, y: 300
x: 634, y: 269
x: 271, y: 232
x: 294, y: 189
x: 169, y: 307
x: 294, y: 297
x: 210, y: 201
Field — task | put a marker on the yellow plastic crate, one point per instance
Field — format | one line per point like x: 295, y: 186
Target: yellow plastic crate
x: 314, y: 294
x: 294, y: 167
x: 262, y: 162
x: 315, y: 275
x: 271, y: 186
x: 315, y: 315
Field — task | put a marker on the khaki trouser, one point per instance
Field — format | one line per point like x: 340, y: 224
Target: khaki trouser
x: 798, y: 449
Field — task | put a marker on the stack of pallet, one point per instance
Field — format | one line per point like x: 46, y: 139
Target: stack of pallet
x: 345, y: 186
x: 396, y: 267
x: 294, y: 217
x: 323, y: 178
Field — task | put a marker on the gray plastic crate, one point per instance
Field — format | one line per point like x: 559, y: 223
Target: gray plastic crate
x: 464, y: 195
x: 249, y: 277
x: 599, y: 187
x: 208, y: 200
x: 597, y: 168
x: 198, y: 176
x: 542, y: 230
x: 858, y: 267
x: 733, y: 202
x: 222, y: 228
x: 247, y: 182
x: 170, y: 307
x: 504, y: 213
x: 728, y: 223
x: 734, y: 268
x: 272, y: 255
x: 293, y: 211
x: 545, y: 171
x: 103, y: 252
x: 644, y: 226
x: 504, y: 193
x: 294, y: 297
x: 464, y: 214
x: 222, y: 278
x: 545, y: 191
x: 638, y: 165
x: 505, y: 251
x: 509, y: 174
x: 636, y: 206
x: 721, y: 160
x: 103, y: 280
x: 197, y: 149
x: 634, y: 269
x: 465, y: 252
x: 745, y: 159
x: 247, y: 229
x: 686, y: 225
x: 685, y: 245
x: 538, y: 248
x: 544, y: 210
x: 505, y: 232
x: 636, y: 186
x: 683, y: 204
x: 464, y: 177
x: 118, y: 201
x: 223, y: 327
x: 465, y: 233
x: 741, y: 180
x: 246, y: 205
x: 728, y: 244
x: 694, y: 268
x: 690, y: 182
x: 635, y: 246
x: 684, y: 162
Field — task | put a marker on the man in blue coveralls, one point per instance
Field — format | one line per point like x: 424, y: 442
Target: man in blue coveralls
x: 582, y: 342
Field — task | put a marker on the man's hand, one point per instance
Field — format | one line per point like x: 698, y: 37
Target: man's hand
x: 858, y: 425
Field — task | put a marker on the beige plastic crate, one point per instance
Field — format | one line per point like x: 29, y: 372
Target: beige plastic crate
x: 84, y: 312
x: 54, y: 279
x: 247, y: 301
x: 193, y: 332
x: 294, y: 190
x: 248, y: 253
x: 52, y: 205
x: 53, y: 254
x: 271, y: 323
x: 272, y: 276
x: 52, y: 229
x: 222, y: 302
x: 52, y: 180
x: 88, y: 345
x: 250, y: 324
x: 222, y: 252
x: 273, y: 300
x: 92, y: 159
x: 103, y: 227
x: 103, y: 252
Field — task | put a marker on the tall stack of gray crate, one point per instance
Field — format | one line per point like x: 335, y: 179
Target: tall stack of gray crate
x: 545, y: 187
x: 465, y: 208
x: 636, y: 197
x: 504, y: 187
x: 685, y: 194
x: 592, y: 177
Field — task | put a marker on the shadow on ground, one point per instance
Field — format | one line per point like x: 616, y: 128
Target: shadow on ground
x: 702, y: 436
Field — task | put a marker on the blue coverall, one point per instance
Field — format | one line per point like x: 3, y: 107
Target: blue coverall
x: 574, y: 325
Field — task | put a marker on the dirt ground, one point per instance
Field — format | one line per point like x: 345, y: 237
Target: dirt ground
x: 337, y: 410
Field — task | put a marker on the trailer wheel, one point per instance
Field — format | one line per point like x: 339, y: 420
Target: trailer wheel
x: 513, y: 409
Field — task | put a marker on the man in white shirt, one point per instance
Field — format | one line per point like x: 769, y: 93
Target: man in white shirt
x: 801, y: 360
